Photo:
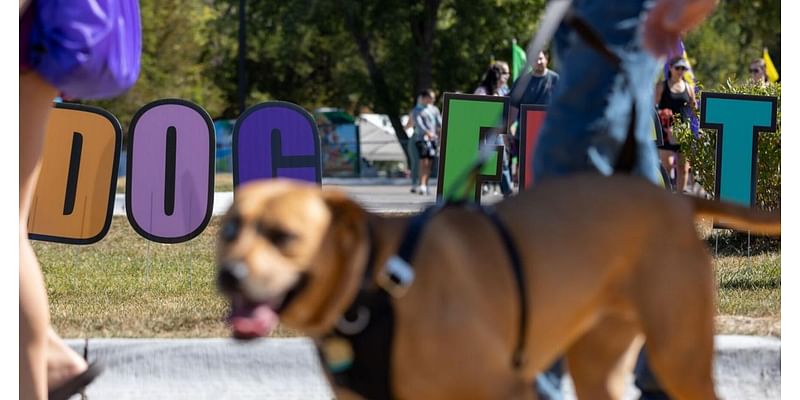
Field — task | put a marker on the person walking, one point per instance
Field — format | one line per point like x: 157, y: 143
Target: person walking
x: 93, y: 54
x: 427, y: 127
x: 495, y: 79
x: 675, y: 101
x: 591, y: 109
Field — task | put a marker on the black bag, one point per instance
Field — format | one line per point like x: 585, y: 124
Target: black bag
x: 426, y: 148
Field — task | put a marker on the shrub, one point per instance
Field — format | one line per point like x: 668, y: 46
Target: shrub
x: 701, y: 151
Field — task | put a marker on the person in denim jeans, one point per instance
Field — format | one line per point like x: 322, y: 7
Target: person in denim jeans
x: 587, y: 121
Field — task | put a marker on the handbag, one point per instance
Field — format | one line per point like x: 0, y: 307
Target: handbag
x: 88, y: 49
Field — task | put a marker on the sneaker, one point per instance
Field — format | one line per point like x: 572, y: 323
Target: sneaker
x: 413, y: 189
x: 423, y: 190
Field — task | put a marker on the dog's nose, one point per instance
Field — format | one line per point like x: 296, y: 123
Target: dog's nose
x: 230, y: 275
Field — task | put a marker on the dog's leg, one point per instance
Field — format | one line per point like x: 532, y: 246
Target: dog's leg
x: 601, y: 360
x: 676, y: 303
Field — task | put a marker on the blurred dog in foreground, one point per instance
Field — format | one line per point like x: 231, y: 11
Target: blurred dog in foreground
x: 604, y: 263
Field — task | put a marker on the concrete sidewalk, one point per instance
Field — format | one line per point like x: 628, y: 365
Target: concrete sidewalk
x: 746, y: 368
x: 381, y: 195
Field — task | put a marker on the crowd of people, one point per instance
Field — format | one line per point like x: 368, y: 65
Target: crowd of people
x: 676, y: 102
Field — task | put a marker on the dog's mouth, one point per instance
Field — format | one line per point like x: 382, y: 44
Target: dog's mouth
x: 250, y: 320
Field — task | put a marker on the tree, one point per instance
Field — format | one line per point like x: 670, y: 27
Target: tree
x: 374, y: 54
x: 175, y: 58
x: 735, y: 34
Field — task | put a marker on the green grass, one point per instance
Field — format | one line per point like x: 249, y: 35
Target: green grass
x: 223, y: 182
x: 126, y: 286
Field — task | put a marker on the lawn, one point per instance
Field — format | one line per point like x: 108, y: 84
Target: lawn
x: 125, y: 286
x: 223, y: 182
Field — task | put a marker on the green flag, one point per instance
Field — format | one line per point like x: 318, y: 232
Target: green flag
x: 518, y: 59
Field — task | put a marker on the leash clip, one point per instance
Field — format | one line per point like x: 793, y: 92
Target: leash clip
x: 396, y: 277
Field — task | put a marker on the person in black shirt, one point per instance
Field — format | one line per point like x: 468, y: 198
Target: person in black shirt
x: 675, y: 101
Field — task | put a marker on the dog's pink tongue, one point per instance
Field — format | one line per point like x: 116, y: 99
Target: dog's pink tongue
x: 256, y: 322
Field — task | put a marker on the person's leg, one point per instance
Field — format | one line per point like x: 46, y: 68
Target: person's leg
x: 413, y: 155
x: 590, y: 112
x: 682, y: 165
x: 645, y: 381
x: 548, y: 383
x: 35, y: 97
x: 589, y: 115
x: 424, y: 173
x: 666, y: 160
x: 45, y: 360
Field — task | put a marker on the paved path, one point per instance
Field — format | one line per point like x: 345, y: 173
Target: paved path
x: 376, y: 195
x: 746, y: 368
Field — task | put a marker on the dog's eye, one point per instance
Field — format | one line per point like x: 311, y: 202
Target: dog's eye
x: 230, y: 229
x: 278, y: 237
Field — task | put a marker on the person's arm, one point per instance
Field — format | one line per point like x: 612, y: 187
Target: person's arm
x: 512, y: 117
x: 659, y: 92
x: 669, y: 19
x: 692, y: 101
x: 410, y: 121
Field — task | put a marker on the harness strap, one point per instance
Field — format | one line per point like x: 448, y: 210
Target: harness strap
x: 518, y: 357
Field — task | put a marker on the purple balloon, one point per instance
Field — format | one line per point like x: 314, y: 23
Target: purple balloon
x: 170, y: 175
x: 276, y: 139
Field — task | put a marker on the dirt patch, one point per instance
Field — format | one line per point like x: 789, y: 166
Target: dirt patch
x: 738, y: 325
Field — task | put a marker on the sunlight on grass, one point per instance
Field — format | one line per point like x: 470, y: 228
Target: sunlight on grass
x: 126, y: 286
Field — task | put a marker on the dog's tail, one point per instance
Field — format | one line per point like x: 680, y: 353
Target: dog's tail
x: 738, y: 217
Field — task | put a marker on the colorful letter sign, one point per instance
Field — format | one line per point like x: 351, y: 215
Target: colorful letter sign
x: 530, y: 123
x: 737, y: 119
x: 170, y: 175
x: 276, y: 139
x: 467, y: 121
x: 74, y: 199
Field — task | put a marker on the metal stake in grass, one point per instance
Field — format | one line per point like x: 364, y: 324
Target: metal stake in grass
x: 147, y: 264
x: 191, y: 248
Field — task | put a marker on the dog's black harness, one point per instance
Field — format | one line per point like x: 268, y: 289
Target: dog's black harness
x: 358, y: 353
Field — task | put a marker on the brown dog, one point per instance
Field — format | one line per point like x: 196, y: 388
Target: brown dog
x: 607, y: 261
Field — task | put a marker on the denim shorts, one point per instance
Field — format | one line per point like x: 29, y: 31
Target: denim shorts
x: 588, y: 119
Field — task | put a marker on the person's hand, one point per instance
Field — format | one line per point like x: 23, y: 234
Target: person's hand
x: 669, y: 19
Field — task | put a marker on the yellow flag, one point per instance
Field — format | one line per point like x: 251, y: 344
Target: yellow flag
x: 772, y: 73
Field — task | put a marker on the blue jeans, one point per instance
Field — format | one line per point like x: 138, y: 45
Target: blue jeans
x: 588, y: 118
x: 587, y: 121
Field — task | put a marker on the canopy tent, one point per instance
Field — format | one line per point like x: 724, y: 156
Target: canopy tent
x: 377, y: 139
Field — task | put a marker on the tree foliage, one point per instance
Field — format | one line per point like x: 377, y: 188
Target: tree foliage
x: 175, y: 58
x: 375, y: 55
x: 735, y: 34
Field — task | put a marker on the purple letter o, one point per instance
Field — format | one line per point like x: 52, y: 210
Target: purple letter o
x: 170, y: 184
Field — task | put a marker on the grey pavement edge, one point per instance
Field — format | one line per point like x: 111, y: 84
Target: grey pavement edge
x: 381, y: 195
x: 746, y: 367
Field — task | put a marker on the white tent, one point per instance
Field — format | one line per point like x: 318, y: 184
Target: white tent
x: 378, y: 141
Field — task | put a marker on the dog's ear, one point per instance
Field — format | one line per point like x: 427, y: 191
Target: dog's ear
x: 347, y: 216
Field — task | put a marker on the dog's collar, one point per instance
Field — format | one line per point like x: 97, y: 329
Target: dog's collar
x: 358, y: 351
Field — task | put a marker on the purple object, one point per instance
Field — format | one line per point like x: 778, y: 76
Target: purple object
x: 170, y: 176
x: 88, y: 49
x: 276, y: 139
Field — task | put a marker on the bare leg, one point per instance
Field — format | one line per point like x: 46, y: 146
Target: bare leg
x: 62, y: 362
x: 41, y: 350
x: 682, y: 165
x: 666, y: 160
x: 424, y: 171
